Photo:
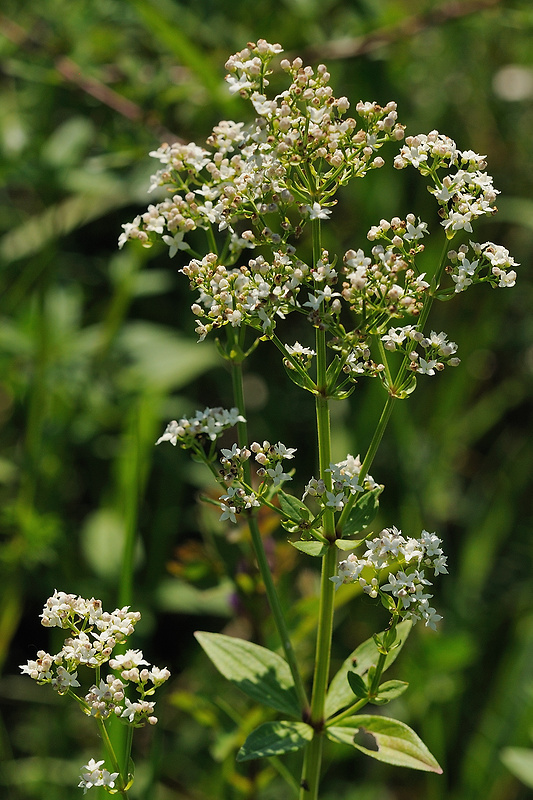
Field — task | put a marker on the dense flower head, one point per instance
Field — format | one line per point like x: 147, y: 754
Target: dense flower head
x: 408, y: 557
x: 255, y: 294
x: 251, y: 171
x: 94, y: 635
x: 465, y: 193
x: 437, y: 351
x: 487, y: 263
x: 255, y: 187
x: 388, y: 284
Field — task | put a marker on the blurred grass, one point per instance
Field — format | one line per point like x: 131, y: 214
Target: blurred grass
x: 97, y: 352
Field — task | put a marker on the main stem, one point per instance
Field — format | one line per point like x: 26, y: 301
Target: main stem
x: 313, y: 754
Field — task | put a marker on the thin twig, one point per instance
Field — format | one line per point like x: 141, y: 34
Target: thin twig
x: 406, y: 28
x: 72, y: 73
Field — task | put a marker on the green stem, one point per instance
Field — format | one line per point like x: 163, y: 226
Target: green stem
x: 348, y: 712
x: 257, y: 542
x: 313, y: 754
x: 115, y: 766
x: 369, y: 457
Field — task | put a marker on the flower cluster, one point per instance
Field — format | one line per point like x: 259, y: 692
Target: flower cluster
x: 92, y: 774
x: 208, y: 424
x: 252, y: 172
x: 94, y: 635
x: 269, y: 457
x: 463, y: 195
x: 387, y: 285
x: 259, y: 185
x: 345, y: 482
x: 438, y: 351
x: 391, y: 550
x: 490, y: 263
x: 254, y: 294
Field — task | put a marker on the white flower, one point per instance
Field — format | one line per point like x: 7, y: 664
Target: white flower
x: 317, y: 212
x: 175, y: 243
x: 159, y: 676
x: 335, y: 501
x: 93, y: 775
x: 427, y: 367
x: 64, y: 680
x: 415, y: 232
x: 277, y: 475
x: 134, y: 712
x: 130, y: 659
x: 507, y: 279
x: 299, y: 350
x: 314, y: 302
x: 284, y: 452
x: 228, y: 512
x: 172, y: 431
x: 461, y: 281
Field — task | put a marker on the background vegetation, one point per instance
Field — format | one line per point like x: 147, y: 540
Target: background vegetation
x: 97, y: 352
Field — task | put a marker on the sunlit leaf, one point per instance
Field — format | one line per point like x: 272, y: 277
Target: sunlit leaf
x: 385, y: 740
x: 311, y: 548
x: 292, y: 507
x: 348, y: 544
x: 388, y: 691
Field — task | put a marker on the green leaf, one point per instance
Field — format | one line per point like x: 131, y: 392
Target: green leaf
x: 348, y: 544
x: 342, y: 394
x: 312, y: 548
x: 407, y: 388
x: 363, y: 512
x: 261, y: 674
x: 292, y: 507
x: 385, y: 740
x: 519, y: 761
x: 301, y: 380
x: 387, y: 691
x: 357, y: 685
x: 274, y: 739
x: 363, y: 657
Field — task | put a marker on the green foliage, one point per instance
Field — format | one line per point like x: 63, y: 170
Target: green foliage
x: 390, y: 741
x: 363, y: 513
x: 363, y: 658
x: 261, y: 674
x: 274, y: 739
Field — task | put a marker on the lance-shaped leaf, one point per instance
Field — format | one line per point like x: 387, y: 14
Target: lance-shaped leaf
x: 312, y: 548
x: 348, y: 544
x: 363, y: 512
x: 261, y: 674
x: 274, y: 739
x: 387, y: 691
x: 363, y: 657
x: 386, y: 740
x: 292, y: 507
